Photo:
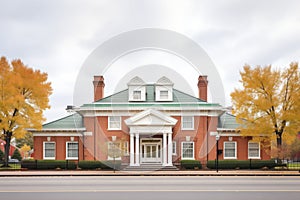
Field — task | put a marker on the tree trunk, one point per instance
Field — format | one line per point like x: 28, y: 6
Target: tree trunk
x: 279, y: 145
x: 279, y: 140
x: 7, y: 148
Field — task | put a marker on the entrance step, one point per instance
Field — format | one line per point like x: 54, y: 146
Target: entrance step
x: 150, y: 167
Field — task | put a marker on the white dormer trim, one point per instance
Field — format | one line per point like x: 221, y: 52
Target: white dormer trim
x: 164, y: 89
x: 136, y: 85
x: 136, y: 81
x: 164, y: 81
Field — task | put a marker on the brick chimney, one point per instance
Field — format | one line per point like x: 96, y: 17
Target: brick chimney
x: 98, y: 87
x: 202, y: 87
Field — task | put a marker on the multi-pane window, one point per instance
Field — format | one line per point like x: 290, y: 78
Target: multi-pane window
x: 253, y: 150
x: 117, y: 149
x: 187, y: 123
x: 164, y: 94
x: 125, y: 148
x: 49, y: 150
x: 114, y: 123
x: 72, y: 150
x: 230, y: 150
x: 174, y: 148
x: 137, y: 95
x: 187, y: 150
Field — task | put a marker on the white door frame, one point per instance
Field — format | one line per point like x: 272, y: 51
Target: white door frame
x: 151, y: 142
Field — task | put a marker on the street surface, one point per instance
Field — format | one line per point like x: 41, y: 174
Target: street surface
x: 156, y: 187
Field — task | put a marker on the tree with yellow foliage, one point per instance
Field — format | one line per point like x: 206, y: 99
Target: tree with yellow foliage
x: 24, y: 95
x: 268, y: 104
x: 24, y: 150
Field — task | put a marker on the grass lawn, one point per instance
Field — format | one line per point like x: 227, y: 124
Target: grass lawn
x: 12, y: 167
x: 295, y: 166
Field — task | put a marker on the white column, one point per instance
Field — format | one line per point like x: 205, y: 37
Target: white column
x: 137, y: 149
x: 170, y: 149
x: 165, y: 149
x: 131, y: 149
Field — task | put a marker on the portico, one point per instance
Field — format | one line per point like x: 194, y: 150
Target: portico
x: 150, y: 138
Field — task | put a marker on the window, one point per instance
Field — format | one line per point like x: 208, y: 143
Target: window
x: 137, y: 95
x: 49, y: 150
x: 174, y: 148
x: 187, y: 150
x: 114, y: 151
x: 72, y: 150
x: 114, y: 123
x: 187, y: 123
x: 229, y: 150
x: 253, y: 150
x: 125, y: 148
x: 163, y: 94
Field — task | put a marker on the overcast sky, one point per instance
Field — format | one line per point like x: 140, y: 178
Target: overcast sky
x: 58, y: 36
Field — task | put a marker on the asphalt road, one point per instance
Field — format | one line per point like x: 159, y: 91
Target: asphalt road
x: 164, y: 187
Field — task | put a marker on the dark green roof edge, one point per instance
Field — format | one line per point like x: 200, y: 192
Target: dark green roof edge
x: 140, y: 104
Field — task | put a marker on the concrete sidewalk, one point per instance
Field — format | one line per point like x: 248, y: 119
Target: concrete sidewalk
x: 148, y: 173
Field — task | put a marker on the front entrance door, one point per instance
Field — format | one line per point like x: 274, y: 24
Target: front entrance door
x: 151, y: 151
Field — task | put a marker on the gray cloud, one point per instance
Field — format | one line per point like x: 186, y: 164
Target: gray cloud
x: 57, y: 36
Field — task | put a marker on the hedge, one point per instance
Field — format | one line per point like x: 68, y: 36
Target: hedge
x: 48, y: 164
x: 243, y: 164
x: 190, y: 164
x: 63, y: 164
x: 105, y: 165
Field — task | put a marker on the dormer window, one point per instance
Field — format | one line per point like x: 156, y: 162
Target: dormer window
x: 137, y: 95
x: 164, y: 89
x: 164, y: 94
x: 136, y: 89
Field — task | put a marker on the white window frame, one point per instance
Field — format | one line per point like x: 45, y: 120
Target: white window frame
x: 125, y: 148
x: 72, y: 158
x: 109, y: 123
x: 134, y: 95
x: 182, y: 122
x: 254, y: 157
x: 174, y: 148
x: 182, y: 152
x: 44, y: 151
x: 235, y: 150
x: 164, y: 96
x: 108, y: 148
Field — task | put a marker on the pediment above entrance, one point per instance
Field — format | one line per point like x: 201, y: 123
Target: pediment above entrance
x: 151, y: 117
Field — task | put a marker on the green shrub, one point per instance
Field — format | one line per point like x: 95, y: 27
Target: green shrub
x: 89, y: 164
x: 242, y: 164
x: 29, y: 164
x: 48, y: 164
x: 190, y: 164
x: 16, y: 155
x: 95, y: 164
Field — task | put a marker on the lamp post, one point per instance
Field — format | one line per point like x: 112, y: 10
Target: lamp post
x: 217, y: 152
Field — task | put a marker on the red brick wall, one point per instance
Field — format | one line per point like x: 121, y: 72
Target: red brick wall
x: 60, y: 146
x: 98, y: 150
x: 95, y: 146
x: 242, y: 148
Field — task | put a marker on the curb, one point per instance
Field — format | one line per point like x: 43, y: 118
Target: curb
x: 145, y: 173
